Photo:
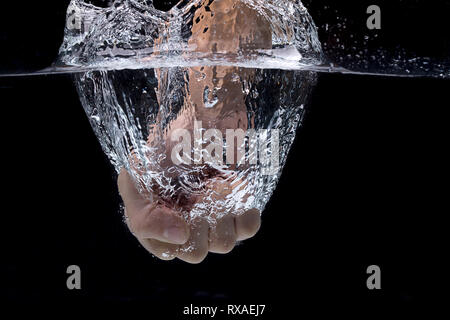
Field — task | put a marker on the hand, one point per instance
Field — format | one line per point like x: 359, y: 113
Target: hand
x: 166, y: 234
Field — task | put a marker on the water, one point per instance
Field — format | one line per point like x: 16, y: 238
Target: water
x: 146, y: 77
x: 132, y: 34
x: 135, y: 114
x: 206, y: 85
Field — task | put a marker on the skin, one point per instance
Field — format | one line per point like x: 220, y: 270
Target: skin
x: 159, y: 227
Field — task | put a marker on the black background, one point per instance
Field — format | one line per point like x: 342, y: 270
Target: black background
x: 365, y: 184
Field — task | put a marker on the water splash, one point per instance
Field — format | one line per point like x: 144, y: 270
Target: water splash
x: 135, y: 112
x: 142, y: 74
x: 133, y: 34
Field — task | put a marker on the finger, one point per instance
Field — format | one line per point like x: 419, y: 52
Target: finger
x: 196, y: 249
x: 248, y: 224
x: 149, y: 220
x: 127, y: 189
x: 162, y: 250
x: 160, y: 223
x: 222, y: 238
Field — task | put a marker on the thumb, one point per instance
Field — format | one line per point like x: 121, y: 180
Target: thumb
x: 149, y: 220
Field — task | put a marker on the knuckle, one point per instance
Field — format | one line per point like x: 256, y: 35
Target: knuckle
x: 223, y: 246
x: 252, y: 228
x: 195, y: 256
